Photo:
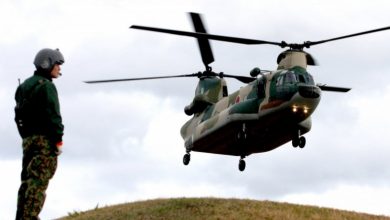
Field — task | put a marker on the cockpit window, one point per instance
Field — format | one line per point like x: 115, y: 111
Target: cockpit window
x: 279, y: 80
x: 302, y: 79
x: 290, y: 78
x: 310, y: 79
x: 286, y: 78
x: 306, y: 78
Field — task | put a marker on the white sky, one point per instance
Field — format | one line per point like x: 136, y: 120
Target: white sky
x: 122, y: 141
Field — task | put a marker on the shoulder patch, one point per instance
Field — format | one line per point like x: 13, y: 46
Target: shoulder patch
x: 41, y: 81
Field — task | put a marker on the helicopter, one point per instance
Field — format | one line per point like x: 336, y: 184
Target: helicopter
x: 272, y: 109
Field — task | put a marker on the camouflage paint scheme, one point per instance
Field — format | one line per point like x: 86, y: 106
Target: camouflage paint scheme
x: 261, y: 116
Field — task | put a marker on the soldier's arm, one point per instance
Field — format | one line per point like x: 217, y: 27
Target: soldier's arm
x: 52, y: 112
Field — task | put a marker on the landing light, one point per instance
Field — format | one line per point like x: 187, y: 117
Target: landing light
x: 305, y: 110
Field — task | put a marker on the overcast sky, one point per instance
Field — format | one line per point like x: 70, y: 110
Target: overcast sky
x: 122, y: 141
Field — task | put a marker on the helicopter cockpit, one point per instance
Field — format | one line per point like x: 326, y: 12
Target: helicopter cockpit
x: 294, y: 77
x: 288, y: 82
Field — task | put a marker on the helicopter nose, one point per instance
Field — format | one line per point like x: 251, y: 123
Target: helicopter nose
x: 309, y: 91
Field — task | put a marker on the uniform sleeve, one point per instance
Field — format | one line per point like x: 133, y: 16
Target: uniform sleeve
x: 17, y: 111
x: 53, y: 119
x: 17, y: 98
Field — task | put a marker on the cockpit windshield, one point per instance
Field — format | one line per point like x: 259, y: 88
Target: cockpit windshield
x: 291, y: 77
x: 286, y: 78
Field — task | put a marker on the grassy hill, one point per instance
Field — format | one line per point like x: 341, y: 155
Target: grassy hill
x: 213, y: 208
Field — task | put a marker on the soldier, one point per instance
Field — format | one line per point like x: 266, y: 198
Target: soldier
x: 39, y: 122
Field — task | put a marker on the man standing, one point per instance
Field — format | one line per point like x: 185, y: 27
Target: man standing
x: 39, y: 122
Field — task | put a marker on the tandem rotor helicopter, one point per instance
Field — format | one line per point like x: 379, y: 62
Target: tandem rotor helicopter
x: 272, y: 109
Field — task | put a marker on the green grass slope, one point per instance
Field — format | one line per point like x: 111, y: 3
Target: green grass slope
x: 213, y: 208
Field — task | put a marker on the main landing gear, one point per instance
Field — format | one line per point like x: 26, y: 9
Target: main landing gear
x: 242, y: 137
x: 186, y: 158
x: 299, y: 140
x: 242, y: 164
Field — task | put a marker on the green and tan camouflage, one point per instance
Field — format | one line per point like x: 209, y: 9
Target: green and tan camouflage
x: 209, y: 91
x: 39, y: 166
x: 268, y: 112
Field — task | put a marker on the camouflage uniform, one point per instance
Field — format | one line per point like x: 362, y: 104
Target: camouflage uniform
x: 40, y: 125
x: 39, y: 166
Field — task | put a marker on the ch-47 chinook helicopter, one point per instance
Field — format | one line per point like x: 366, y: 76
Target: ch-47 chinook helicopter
x: 271, y: 110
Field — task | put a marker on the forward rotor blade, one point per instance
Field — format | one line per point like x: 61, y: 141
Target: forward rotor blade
x: 244, y: 79
x: 207, y: 36
x: 309, y: 43
x: 204, y: 44
x: 333, y: 88
x: 141, y: 78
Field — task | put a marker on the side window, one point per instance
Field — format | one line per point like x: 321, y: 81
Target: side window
x: 279, y: 80
x: 302, y: 78
x: 306, y: 78
x: 224, y: 91
x: 261, y: 88
x: 310, y: 79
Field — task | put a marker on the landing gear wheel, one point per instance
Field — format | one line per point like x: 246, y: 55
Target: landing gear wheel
x: 186, y: 159
x: 302, y: 142
x: 241, y: 165
x: 295, y: 142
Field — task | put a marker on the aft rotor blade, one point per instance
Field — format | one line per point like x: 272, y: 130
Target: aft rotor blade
x: 204, y: 44
x: 311, y: 60
x: 309, y: 43
x: 207, y: 36
x: 333, y: 88
x: 141, y: 78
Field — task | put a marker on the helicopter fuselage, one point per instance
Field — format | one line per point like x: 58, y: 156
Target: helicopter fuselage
x: 261, y: 116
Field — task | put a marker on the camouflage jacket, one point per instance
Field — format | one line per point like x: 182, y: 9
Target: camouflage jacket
x: 37, y: 110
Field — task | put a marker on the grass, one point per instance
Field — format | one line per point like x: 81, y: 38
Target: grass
x: 213, y: 208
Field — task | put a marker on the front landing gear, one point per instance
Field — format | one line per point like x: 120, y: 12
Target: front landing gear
x: 299, y: 141
x: 242, y: 140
